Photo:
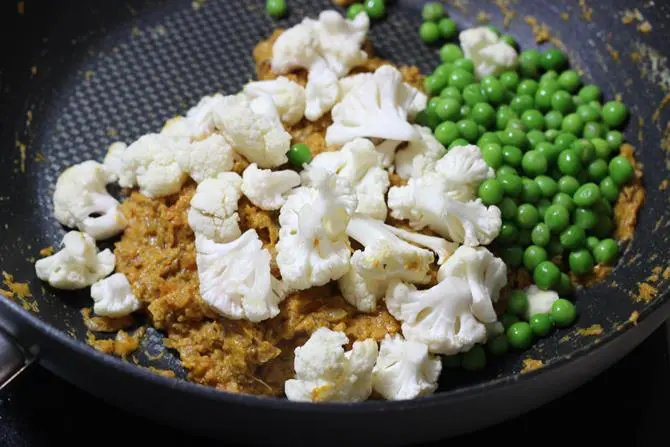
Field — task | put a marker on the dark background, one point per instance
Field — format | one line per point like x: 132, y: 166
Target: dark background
x: 626, y: 405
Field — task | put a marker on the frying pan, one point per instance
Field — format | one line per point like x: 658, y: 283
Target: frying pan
x: 78, y: 75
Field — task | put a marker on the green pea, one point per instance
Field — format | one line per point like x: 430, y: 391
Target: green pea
x: 532, y: 257
x: 601, y: 147
x: 561, y: 101
x: 468, y: 129
x: 534, y: 163
x: 615, y: 139
x: 517, y: 304
x: 530, y: 192
x: 529, y: 63
x: 620, y: 170
x: 569, y: 162
x: 546, y: 275
x: 581, y: 261
x: 543, y: 98
x: 516, y: 124
x: 447, y: 132
x: 557, y: 218
x: 451, y: 52
x: 492, y: 154
x: 498, y: 345
x: 510, y: 80
x: 432, y: 11
x: 587, y: 195
x: 488, y: 137
x: 606, y: 251
x: 565, y: 201
x: 508, y: 208
x: 474, y: 359
x: 428, y: 118
x: 553, y: 119
x: 573, y: 237
x: 590, y: 93
x: 533, y: 119
x: 494, y: 91
x: 448, y: 29
x: 541, y: 324
x: 276, y: 8
x: 465, y: 111
x: 434, y: 85
x: 448, y: 109
x: 542, y: 207
x: 511, y: 184
x: 503, y: 116
x: 609, y: 189
x: 585, y: 218
x: 564, y: 286
x: 551, y: 134
x: 299, y: 154
x: 509, y: 40
x: 375, y: 8
x: 472, y: 94
x: 541, y: 235
x: 451, y: 92
x: 588, y: 113
x: 550, y: 78
x: 512, y: 155
x: 521, y: 103
x: 429, y: 32
x: 508, y: 234
x: 563, y: 312
x: 592, y: 242
x: 568, y: 185
x: 513, y: 137
x: 506, y: 170
x: 603, y: 227
x: 553, y: 59
x: 573, y: 124
x: 484, y: 114
x: 527, y: 216
x: 564, y: 140
x: 548, y: 185
x: 535, y: 137
x: 549, y: 151
x: 520, y: 335
x: 354, y: 10
x: 614, y: 113
x: 592, y: 130
x: 597, y: 170
x: 459, y: 142
x: 569, y: 80
x: 585, y: 150
x: 513, y: 256
x: 491, y: 192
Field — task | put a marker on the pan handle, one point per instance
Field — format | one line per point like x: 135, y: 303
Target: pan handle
x: 13, y: 359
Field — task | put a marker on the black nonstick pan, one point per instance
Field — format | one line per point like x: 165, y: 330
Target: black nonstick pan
x: 77, y: 75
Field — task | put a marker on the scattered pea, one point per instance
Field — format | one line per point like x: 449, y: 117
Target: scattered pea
x: 557, y: 218
x: 620, y: 170
x: 581, y: 261
x: 532, y: 257
x: 432, y: 11
x: 520, y: 335
x: 606, y: 251
x: 276, y: 8
x: 546, y: 275
x: 299, y: 154
x: 354, y: 10
x: 451, y: 52
x: 491, y: 192
x: 563, y: 312
x: 429, y: 32
x: 375, y: 8
x: 585, y: 218
x: 540, y: 324
x: 448, y: 29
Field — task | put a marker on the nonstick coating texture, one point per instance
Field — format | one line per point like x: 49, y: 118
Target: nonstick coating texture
x: 91, y: 73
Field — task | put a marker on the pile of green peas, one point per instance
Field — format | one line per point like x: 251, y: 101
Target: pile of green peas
x: 555, y: 149
x: 375, y: 9
x: 436, y: 24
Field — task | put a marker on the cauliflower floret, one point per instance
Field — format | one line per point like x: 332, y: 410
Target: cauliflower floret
x: 150, y: 162
x: 360, y: 165
x: 419, y: 99
x: 420, y: 155
x: 324, y: 372
x: 267, y: 189
x: 376, y: 109
x: 539, y: 301
x: 442, y: 248
x: 404, y: 369
x: 199, y: 121
x: 439, y: 317
x: 490, y: 54
x: 313, y: 247
x: 425, y: 202
x: 113, y: 297
x: 464, y: 169
x: 113, y: 161
x: 328, y: 48
x: 387, y: 148
x: 206, y: 158
x: 213, y: 208
x: 261, y: 138
x: 287, y: 96
x: 235, y: 278
x: 81, y: 193
x: 486, y: 275
x: 77, y: 265
x: 177, y: 126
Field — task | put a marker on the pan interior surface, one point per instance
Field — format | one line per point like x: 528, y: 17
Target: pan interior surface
x: 113, y: 71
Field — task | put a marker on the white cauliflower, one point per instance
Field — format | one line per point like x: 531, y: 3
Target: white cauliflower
x: 486, y: 275
x: 206, y: 158
x: 539, y: 301
x: 420, y: 155
x: 325, y: 372
x: 77, y: 265
x: 268, y: 189
x: 177, y: 126
x: 199, y: 121
x: 440, y: 317
x: 377, y: 108
x: 464, y: 169
x: 287, y: 96
x: 490, y: 54
x: 328, y: 48
x: 260, y: 137
x: 151, y: 163
x: 388, y: 149
x: 81, y: 193
x: 213, y: 211
x: 113, y: 297
x: 113, y: 161
x: 313, y: 246
x: 235, y: 278
x: 419, y: 99
x: 360, y: 165
x: 404, y: 369
x: 425, y: 202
